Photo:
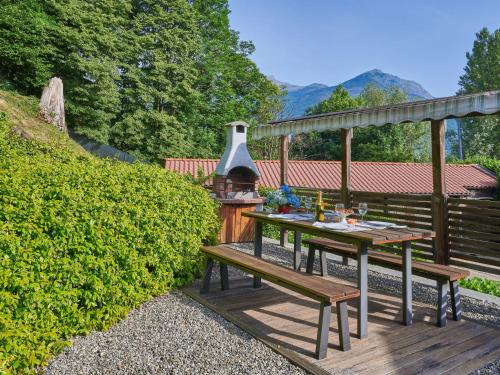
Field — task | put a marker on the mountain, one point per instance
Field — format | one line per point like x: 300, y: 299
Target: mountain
x: 299, y: 98
x: 288, y: 86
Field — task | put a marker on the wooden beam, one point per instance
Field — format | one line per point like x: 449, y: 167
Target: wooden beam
x: 439, y: 196
x: 345, y: 189
x: 284, y: 143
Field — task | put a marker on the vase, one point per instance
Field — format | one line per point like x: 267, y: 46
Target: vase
x: 284, y: 209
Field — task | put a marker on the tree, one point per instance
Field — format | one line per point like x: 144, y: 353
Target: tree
x: 482, y: 73
x: 232, y: 86
x: 324, y: 145
x: 409, y: 142
x: 158, y: 90
x: 153, y: 78
x: 26, y: 49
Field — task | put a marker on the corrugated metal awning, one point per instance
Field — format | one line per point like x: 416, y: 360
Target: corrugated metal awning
x: 485, y: 103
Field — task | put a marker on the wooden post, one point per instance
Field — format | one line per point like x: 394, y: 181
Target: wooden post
x: 439, y: 196
x: 345, y: 189
x: 284, y: 142
x: 52, y: 104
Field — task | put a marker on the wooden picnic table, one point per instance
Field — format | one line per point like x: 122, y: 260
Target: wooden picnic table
x: 362, y: 239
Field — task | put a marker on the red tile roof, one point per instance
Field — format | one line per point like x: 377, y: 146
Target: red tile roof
x: 384, y: 177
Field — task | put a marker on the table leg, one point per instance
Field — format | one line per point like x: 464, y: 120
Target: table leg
x: 257, y: 251
x: 363, y: 289
x: 297, y: 250
x: 407, y: 292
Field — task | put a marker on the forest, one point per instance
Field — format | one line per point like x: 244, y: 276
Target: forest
x: 160, y: 78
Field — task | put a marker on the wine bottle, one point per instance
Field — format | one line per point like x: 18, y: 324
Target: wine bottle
x: 320, y: 207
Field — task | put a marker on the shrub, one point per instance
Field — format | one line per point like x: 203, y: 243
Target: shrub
x: 82, y: 241
x: 482, y: 285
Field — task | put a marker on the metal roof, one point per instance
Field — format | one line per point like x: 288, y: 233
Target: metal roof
x: 485, y: 103
x: 383, y: 177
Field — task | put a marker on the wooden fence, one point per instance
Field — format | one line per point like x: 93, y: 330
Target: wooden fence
x: 405, y: 209
x: 474, y: 225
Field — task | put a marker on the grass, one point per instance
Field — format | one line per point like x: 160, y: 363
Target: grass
x: 23, y: 112
x: 482, y: 285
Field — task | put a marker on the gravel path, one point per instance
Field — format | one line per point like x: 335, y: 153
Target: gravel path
x: 173, y: 334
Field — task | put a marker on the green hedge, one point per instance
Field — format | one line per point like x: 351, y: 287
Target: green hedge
x: 83, y: 241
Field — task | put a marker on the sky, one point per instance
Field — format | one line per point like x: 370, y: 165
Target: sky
x: 331, y: 41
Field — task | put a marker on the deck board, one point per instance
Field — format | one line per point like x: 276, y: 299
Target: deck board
x: 287, y: 321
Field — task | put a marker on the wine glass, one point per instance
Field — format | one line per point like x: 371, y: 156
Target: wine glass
x: 363, y: 209
x: 340, y: 210
x: 308, y: 203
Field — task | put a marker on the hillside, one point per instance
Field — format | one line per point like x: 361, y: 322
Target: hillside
x: 299, y: 98
x: 21, y: 112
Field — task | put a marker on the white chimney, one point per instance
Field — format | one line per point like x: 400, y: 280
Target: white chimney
x: 236, y: 153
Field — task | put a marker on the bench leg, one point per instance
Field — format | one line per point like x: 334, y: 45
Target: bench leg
x: 363, y: 289
x: 407, y: 284
x: 325, y: 312
x: 310, y: 259
x: 442, y: 303
x: 343, y: 324
x: 224, y: 277
x: 323, y: 266
x: 205, y: 284
x: 257, y: 251
x: 345, y: 261
x: 455, y: 300
x: 297, y: 250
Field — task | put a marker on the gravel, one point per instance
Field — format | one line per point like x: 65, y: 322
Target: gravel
x: 173, y: 334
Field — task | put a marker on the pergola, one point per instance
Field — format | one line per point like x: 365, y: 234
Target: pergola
x: 433, y: 110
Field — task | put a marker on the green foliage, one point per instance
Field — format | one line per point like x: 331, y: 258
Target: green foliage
x: 153, y: 78
x: 403, y: 143
x: 82, y: 241
x: 482, y: 285
x: 482, y: 73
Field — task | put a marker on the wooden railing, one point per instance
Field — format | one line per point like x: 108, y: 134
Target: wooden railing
x: 474, y: 239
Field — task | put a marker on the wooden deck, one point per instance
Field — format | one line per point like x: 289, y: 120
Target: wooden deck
x: 287, y: 322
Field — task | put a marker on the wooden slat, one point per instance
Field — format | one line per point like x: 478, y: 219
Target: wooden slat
x: 314, y: 286
x: 410, y: 197
x: 417, y: 352
x: 477, y: 235
x: 394, y: 202
x: 422, y: 212
x: 475, y: 211
x: 473, y: 226
x: 476, y: 244
x: 476, y: 219
x: 469, y: 255
x: 450, y: 356
x: 474, y: 202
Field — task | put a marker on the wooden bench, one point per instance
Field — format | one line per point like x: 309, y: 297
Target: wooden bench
x: 442, y: 274
x: 317, y: 288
